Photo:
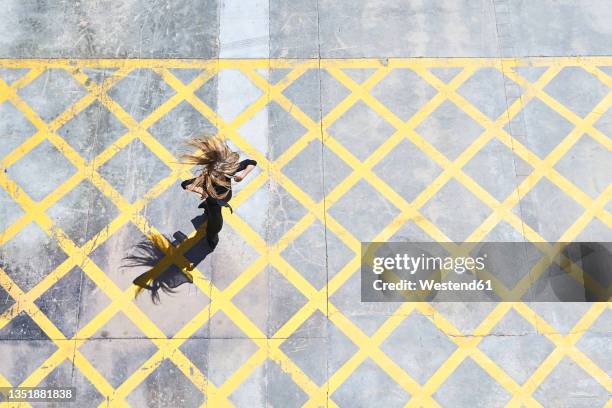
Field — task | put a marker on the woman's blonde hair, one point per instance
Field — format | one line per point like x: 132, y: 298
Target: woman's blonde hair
x: 218, y: 163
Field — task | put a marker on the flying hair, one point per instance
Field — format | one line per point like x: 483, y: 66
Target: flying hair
x: 218, y: 163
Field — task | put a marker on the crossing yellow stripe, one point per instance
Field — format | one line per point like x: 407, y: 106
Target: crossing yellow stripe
x: 318, y: 299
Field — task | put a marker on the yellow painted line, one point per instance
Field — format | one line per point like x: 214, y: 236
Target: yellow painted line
x: 368, y: 346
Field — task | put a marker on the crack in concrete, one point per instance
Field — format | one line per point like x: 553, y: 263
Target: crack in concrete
x: 324, y: 190
x: 501, y: 38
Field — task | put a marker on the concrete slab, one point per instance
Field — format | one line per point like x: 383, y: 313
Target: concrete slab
x: 15, y: 127
x: 362, y: 204
x: 92, y: 131
x: 567, y: 369
x: 422, y: 356
x: 88, y: 30
x: 24, y: 357
x: 52, y: 92
x: 282, y: 390
x: 526, y: 349
x: 550, y: 216
x: 180, y: 124
x: 177, y: 389
x: 308, y: 347
x: 116, y: 359
x: 269, y: 300
x: 244, y: 29
x: 572, y: 28
x: 588, y: 165
x: 370, y: 385
x: 66, y: 375
x: 386, y: 28
x: 305, y: 29
x: 83, y: 212
x: 445, y: 208
x: 25, y: 346
x: 182, y: 306
x: 294, y: 29
x: 596, y: 343
x: 495, y: 167
x: 43, y: 159
x: 134, y: 170
x: 368, y: 317
x: 457, y: 391
x: 30, y: 256
x: 61, y: 303
x: 252, y: 391
x: 408, y: 169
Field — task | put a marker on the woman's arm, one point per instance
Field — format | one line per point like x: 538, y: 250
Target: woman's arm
x: 190, y: 185
x: 248, y: 165
x: 239, y: 177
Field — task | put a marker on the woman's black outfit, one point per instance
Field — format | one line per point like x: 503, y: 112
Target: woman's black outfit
x: 212, y: 206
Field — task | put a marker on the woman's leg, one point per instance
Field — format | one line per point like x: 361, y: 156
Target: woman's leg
x: 214, y: 222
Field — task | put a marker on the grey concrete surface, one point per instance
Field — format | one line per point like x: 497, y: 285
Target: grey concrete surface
x: 94, y: 29
x: 304, y: 29
x: 319, y: 348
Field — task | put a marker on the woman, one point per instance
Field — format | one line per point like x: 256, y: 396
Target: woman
x: 214, y: 183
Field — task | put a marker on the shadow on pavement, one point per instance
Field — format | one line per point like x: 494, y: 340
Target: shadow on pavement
x: 167, y: 270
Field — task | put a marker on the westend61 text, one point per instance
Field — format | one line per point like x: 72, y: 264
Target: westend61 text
x: 431, y: 284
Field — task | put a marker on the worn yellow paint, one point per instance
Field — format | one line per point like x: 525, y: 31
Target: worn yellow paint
x: 369, y: 346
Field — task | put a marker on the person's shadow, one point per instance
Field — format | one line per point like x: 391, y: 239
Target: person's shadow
x: 595, y: 262
x: 176, y: 272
